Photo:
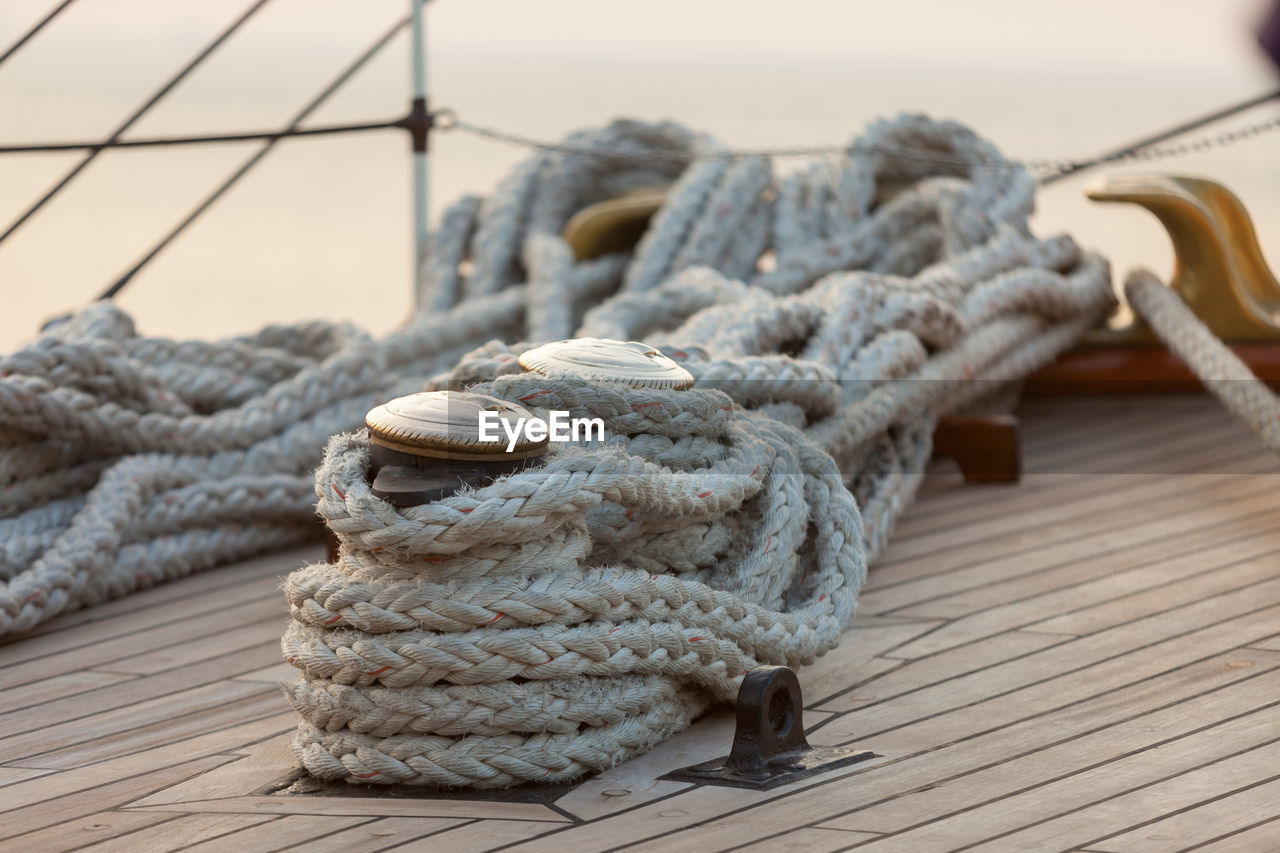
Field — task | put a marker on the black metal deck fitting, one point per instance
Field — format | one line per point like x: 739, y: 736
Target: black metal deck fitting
x: 769, y: 746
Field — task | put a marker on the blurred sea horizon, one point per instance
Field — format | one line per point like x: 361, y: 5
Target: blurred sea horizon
x: 323, y: 227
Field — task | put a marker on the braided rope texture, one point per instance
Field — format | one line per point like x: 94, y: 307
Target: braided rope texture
x: 1222, y: 372
x: 566, y: 617
x: 572, y: 615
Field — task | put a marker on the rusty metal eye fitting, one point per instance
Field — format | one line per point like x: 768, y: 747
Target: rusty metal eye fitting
x: 629, y: 362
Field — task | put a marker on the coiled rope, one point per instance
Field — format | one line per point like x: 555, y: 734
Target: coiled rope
x: 571, y: 615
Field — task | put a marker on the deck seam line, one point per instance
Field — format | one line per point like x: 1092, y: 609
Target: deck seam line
x: 1262, y: 490
x: 1118, y: 625
x: 1165, y: 816
x: 266, y: 644
x: 1154, y: 563
x: 1194, y: 469
x: 238, y: 722
x: 234, y: 605
x: 724, y: 815
x: 1240, y: 831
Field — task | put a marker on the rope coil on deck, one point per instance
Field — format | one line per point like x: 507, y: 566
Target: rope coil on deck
x: 569, y: 616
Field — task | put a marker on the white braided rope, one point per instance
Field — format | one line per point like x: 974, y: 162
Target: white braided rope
x: 1222, y: 372
x: 571, y: 615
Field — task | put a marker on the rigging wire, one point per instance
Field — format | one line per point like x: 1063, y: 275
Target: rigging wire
x: 1056, y: 168
x: 446, y: 119
x: 179, y: 141
x: 292, y: 129
x: 1134, y: 149
x: 31, y: 33
x: 114, y: 139
x: 419, y: 121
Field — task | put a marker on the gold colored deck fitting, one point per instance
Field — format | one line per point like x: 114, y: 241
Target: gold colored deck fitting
x: 427, y: 446
x: 1219, y: 270
x: 628, y: 362
x: 446, y: 425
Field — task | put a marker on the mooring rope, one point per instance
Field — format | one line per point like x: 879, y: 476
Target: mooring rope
x: 1222, y: 372
x: 577, y: 612
x: 574, y: 614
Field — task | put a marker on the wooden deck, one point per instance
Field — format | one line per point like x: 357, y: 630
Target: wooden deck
x: 1086, y: 661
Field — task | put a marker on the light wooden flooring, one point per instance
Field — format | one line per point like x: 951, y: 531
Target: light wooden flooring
x: 1085, y: 661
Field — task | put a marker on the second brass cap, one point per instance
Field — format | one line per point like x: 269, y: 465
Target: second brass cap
x: 446, y: 425
x: 629, y: 362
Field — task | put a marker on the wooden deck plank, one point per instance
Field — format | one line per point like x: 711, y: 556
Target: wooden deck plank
x: 1131, y: 739
x: 1159, y: 542
x: 285, y: 833
x: 269, y: 674
x: 143, y: 689
x: 86, y: 831
x: 90, y: 798
x: 1138, y: 594
x: 178, y: 833
x: 1097, y: 662
x: 235, y: 787
x: 99, y: 655
x: 163, y: 731
x: 1151, y: 446
x: 1263, y: 836
x: 1054, y: 602
x: 1147, y: 456
x: 191, y: 596
x: 382, y: 834
x: 218, y: 645
x: 1197, y: 809
x: 1095, y: 552
x: 13, y: 775
x: 683, y: 823
x: 57, y: 687
x: 487, y: 835
x: 256, y: 767
x: 1053, y: 799
x: 955, y: 505
x: 922, y: 672
x: 1212, y: 820
x: 369, y: 807
x: 1056, y: 442
x: 1070, y: 661
x: 1048, y: 532
x: 663, y: 818
x: 29, y: 747
x: 811, y: 838
x: 862, y: 656
x: 206, y: 746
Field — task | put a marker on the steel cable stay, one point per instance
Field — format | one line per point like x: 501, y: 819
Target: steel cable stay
x: 36, y: 28
x: 292, y: 129
x: 114, y: 139
x: 420, y: 121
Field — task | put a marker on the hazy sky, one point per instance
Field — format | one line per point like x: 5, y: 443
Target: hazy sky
x: 320, y: 219
x: 1116, y: 33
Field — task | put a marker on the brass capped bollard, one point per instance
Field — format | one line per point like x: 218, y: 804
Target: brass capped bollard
x: 629, y: 362
x: 426, y: 446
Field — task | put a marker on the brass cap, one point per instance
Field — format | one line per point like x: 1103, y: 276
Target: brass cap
x: 446, y: 425
x: 629, y: 362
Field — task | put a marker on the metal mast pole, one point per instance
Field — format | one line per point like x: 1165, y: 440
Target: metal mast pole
x: 420, y: 174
